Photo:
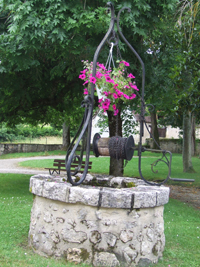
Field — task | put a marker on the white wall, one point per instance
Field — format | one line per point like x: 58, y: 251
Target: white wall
x: 170, y: 132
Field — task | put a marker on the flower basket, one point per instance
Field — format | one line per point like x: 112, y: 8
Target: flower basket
x: 112, y: 86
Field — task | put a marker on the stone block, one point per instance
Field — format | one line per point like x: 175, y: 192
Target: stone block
x: 105, y: 259
x: 116, y: 198
x: 87, y: 196
x: 162, y: 196
x: 36, y: 186
x: 43, y: 176
x: 108, y: 241
x: 116, y: 182
x: 98, y: 225
x: 56, y: 191
x: 129, y: 254
x: 72, y: 236
x: 144, y: 199
x: 95, y: 237
x: 162, y: 193
x: 126, y: 235
x: 74, y: 255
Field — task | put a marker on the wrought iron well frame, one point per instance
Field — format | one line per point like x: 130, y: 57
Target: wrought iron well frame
x: 84, y: 132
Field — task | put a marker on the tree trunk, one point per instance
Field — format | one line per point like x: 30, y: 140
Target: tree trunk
x: 115, y: 128
x: 66, y: 136
x: 194, y: 152
x: 187, y: 142
x: 154, y: 129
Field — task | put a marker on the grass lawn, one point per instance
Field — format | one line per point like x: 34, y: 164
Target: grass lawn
x: 15, y: 207
x: 182, y: 222
x: 182, y: 229
x: 131, y: 170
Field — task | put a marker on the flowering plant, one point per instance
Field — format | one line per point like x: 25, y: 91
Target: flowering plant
x: 112, y: 85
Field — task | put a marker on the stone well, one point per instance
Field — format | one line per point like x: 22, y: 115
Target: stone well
x: 117, y: 224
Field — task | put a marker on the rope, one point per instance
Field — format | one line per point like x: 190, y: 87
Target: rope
x: 116, y: 143
x: 119, y: 56
x: 110, y: 58
x: 116, y: 147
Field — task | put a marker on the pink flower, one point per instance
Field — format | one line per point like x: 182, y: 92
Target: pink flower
x: 116, y: 112
x: 106, y: 104
x: 99, y: 75
x: 115, y: 96
x: 119, y: 93
x: 83, y: 71
x: 101, y: 66
x: 85, y: 91
x: 108, y: 79
x: 118, y: 86
x: 132, y: 96
x: 93, y: 80
x: 134, y: 86
x: 82, y: 76
x: 125, y: 63
x: 85, y: 82
x: 125, y: 96
x: 131, y: 76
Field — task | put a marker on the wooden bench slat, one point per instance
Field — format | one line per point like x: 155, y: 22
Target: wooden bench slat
x: 60, y: 170
x: 75, y: 162
x: 72, y: 166
x: 63, y: 164
x: 60, y: 164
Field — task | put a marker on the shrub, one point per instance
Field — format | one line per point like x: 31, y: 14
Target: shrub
x: 20, y: 132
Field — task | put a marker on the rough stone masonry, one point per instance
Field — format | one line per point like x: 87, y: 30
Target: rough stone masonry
x: 110, y: 225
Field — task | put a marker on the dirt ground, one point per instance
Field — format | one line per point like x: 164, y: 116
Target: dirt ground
x: 189, y: 195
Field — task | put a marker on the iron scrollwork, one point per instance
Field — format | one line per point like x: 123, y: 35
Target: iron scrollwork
x: 84, y: 132
x: 86, y: 124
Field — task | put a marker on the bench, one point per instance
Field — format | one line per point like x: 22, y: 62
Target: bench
x: 59, y: 165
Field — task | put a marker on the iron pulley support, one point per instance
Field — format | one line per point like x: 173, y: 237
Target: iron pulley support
x: 116, y: 147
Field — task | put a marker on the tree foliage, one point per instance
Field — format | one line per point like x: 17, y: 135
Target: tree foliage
x: 21, y: 132
x: 185, y: 73
x: 43, y: 42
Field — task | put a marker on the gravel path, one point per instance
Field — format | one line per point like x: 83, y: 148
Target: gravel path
x: 12, y: 166
x: 189, y: 195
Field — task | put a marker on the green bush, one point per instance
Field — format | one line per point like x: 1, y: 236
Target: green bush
x: 20, y: 132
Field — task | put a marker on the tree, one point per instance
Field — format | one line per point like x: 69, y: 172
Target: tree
x: 139, y: 38
x: 43, y: 42
x: 174, y: 80
x: 186, y: 72
x: 41, y: 51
